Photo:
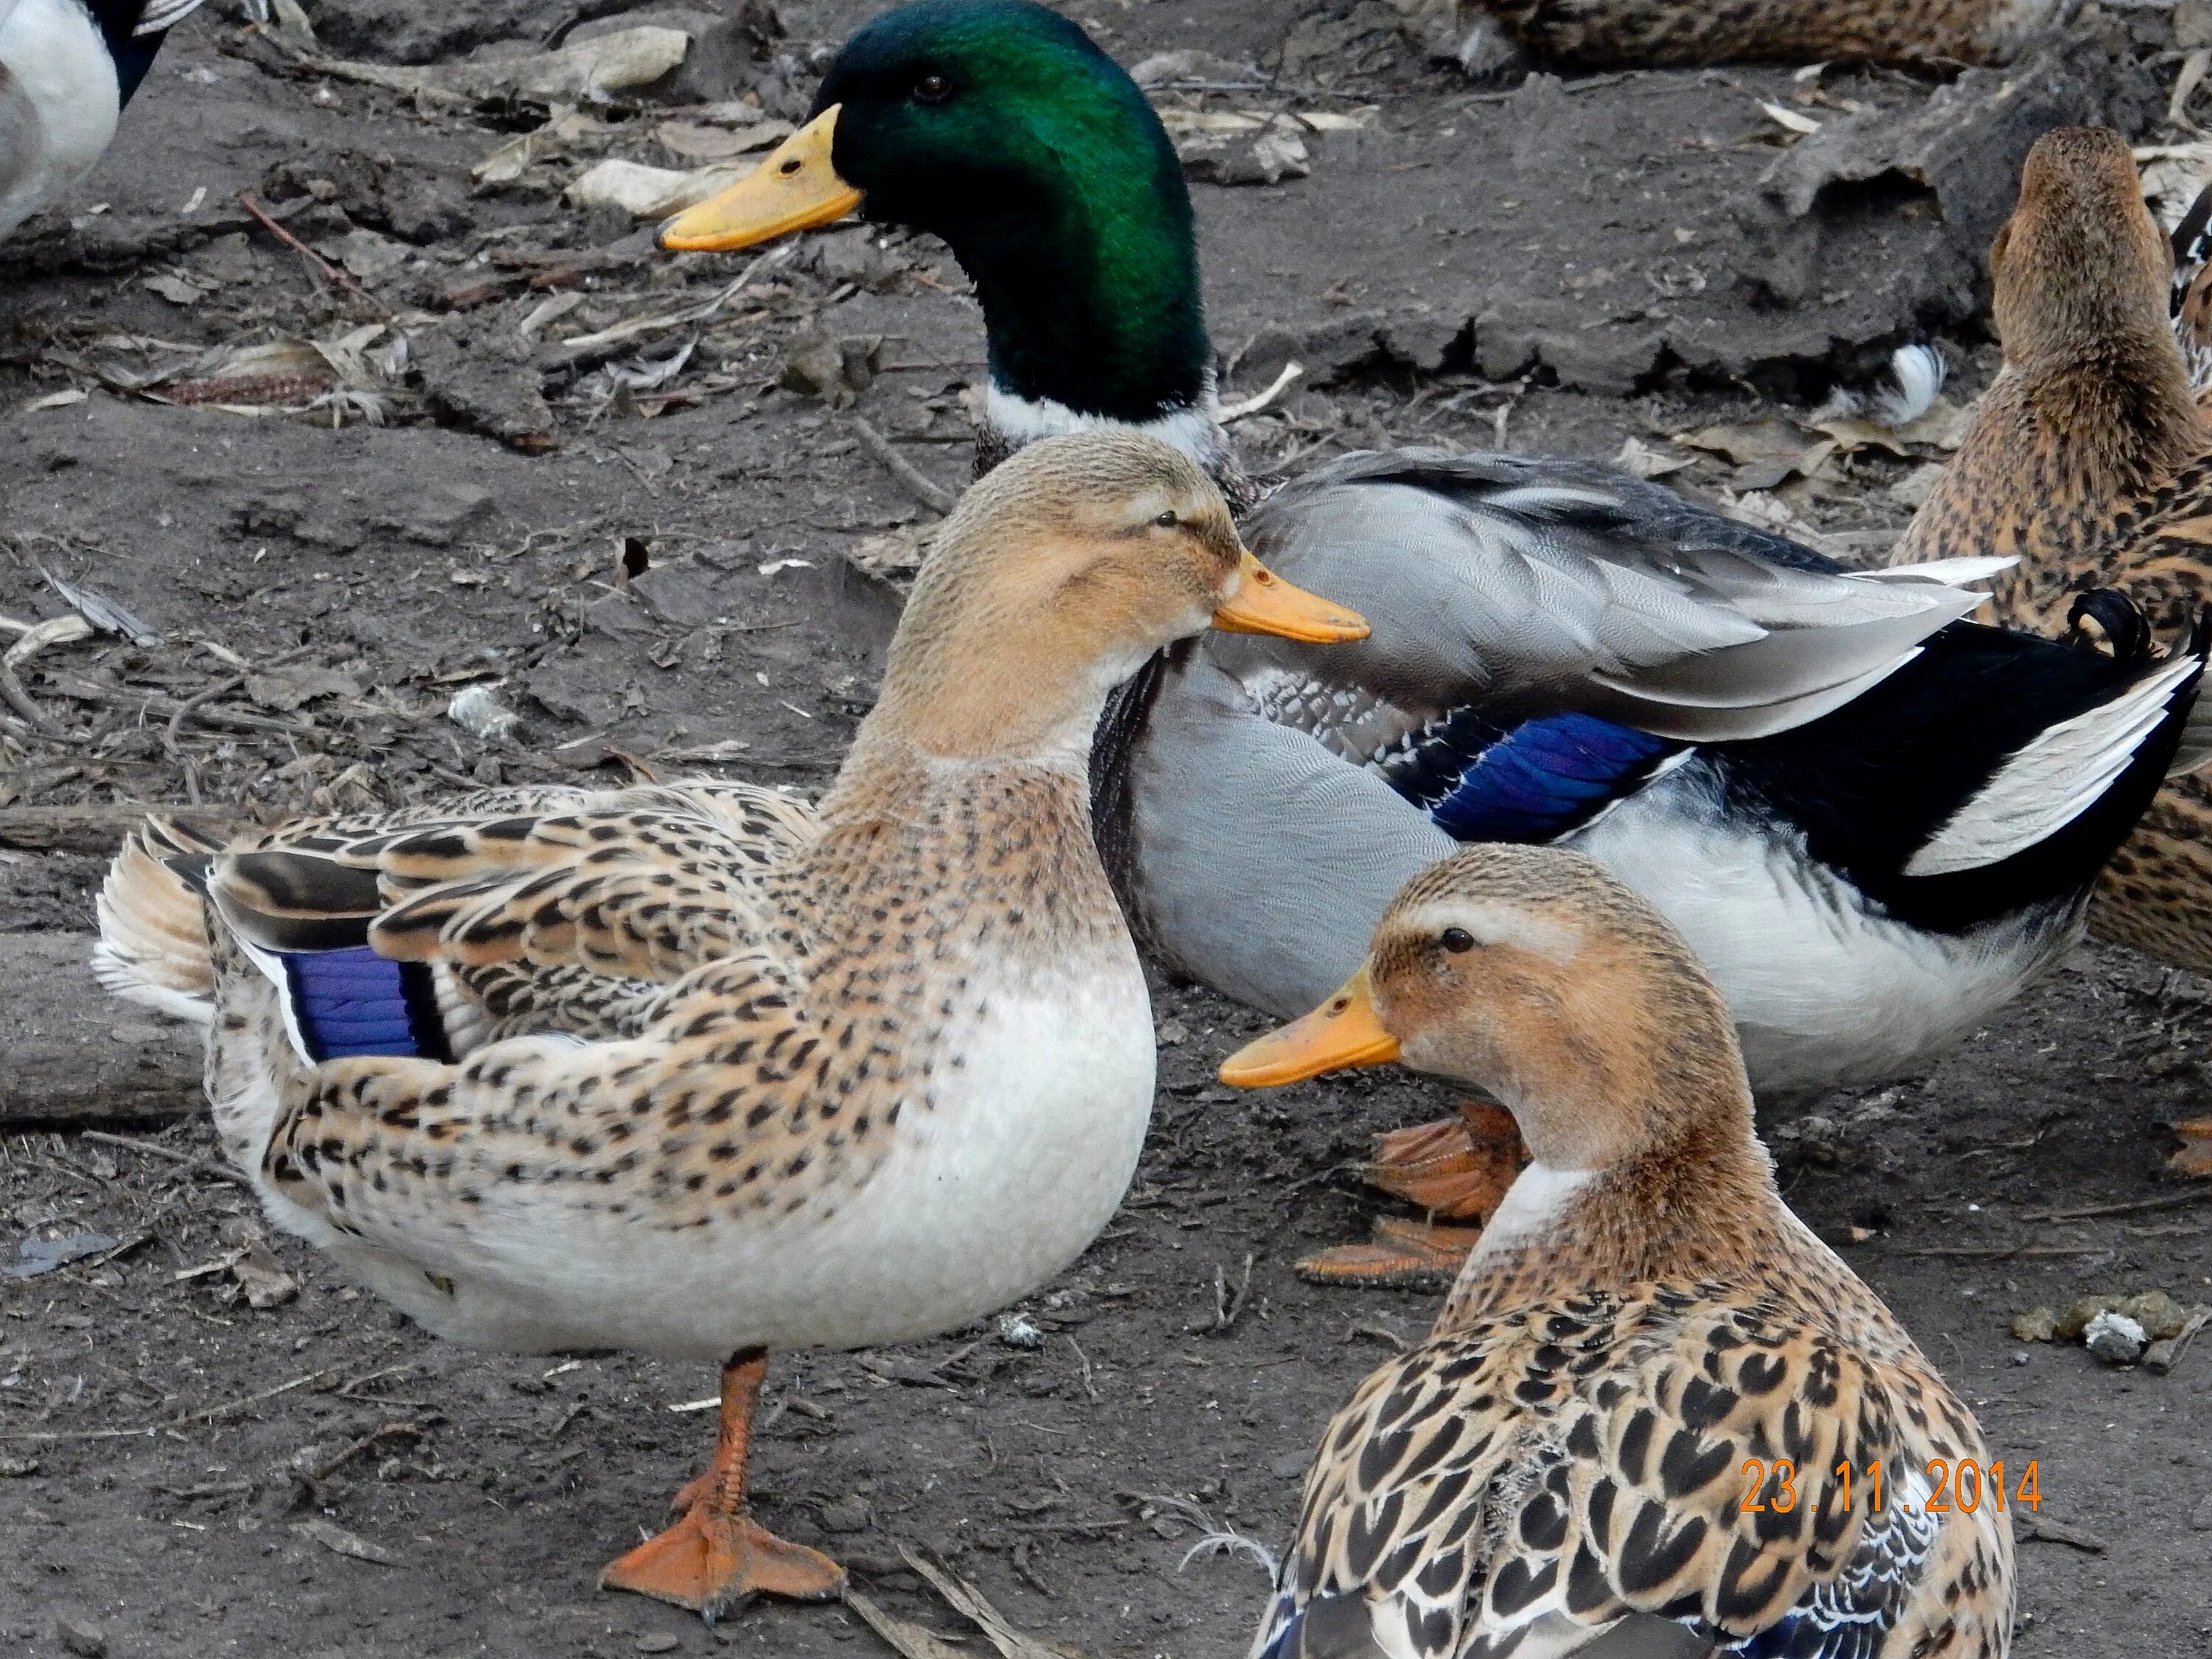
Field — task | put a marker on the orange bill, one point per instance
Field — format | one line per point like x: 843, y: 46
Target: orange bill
x: 795, y: 189
x: 1264, y: 604
x: 1343, y: 1032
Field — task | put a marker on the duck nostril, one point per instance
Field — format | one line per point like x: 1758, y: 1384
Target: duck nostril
x: 791, y: 167
x: 1340, y: 1005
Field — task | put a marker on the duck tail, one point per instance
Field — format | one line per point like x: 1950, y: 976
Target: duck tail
x: 2101, y: 765
x: 2190, y: 298
x: 153, y: 948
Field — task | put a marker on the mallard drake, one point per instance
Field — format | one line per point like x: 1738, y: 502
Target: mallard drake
x: 1650, y: 1418
x: 67, y: 67
x: 1650, y: 33
x: 694, y: 1071
x: 1561, y: 653
x: 2090, y: 463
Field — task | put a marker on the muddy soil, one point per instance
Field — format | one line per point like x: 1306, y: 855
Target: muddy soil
x: 648, y: 565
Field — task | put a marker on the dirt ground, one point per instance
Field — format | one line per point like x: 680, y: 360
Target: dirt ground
x: 647, y: 563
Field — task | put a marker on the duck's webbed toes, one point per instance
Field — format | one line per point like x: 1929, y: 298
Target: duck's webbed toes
x: 1410, y: 1256
x: 715, y: 1563
x: 1456, y: 1167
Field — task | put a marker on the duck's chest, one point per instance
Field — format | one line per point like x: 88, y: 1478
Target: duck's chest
x: 1022, y: 1153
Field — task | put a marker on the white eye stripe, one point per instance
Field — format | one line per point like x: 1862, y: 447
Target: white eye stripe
x: 1495, y: 924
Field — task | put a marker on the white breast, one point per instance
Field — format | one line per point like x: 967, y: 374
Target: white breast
x: 58, y: 103
x: 1018, y: 1170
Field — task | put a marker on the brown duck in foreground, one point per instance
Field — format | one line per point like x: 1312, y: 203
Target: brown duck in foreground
x: 1646, y: 1422
x: 697, y: 1073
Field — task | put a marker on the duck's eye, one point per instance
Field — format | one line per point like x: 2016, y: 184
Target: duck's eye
x: 1457, y: 939
x: 932, y: 88
x: 1167, y: 520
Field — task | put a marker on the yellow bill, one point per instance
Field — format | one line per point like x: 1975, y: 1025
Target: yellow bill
x: 1343, y: 1032
x: 1264, y: 604
x: 795, y: 189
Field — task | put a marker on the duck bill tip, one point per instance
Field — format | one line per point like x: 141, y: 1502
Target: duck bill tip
x: 796, y: 188
x: 1344, y: 1032
x: 1264, y: 604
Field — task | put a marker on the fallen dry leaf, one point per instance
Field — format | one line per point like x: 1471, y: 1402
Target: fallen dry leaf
x: 582, y: 69
x: 647, y: 192
x: 1638, y: 460
x: 697, y: 142
x: 1745, y: 442
x: 266, y: 1284
x: 336, y: 1539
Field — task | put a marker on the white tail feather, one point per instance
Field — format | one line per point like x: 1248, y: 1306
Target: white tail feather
x: 153, y: 948
x: 1917, y: 373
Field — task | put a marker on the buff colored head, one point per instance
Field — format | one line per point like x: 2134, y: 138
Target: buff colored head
x: 1057, y: 575
x: 1540, y: 978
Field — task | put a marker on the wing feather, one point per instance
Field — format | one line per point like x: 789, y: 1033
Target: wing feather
x: 641, y: 884
x: 1542, y: 587
x: 2063, y: 772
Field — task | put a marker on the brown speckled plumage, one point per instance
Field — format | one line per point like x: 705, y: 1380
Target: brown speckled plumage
x: 1566, y: 1453
x: 2090, y: 459
x: 1643, y: 33
x: 771, y: 1001
x: 695, y: 1069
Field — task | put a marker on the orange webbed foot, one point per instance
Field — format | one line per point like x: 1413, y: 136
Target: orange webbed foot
x: 717, y: 1558
x: 715, y: 1564
x: 2195, y: 1157
x: 1456, y: 1167
x: 1410, y: 1256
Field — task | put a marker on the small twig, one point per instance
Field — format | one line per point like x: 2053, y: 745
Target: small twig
x: 2036, y: 1529
x: 2163, y: 1355
x: 1253, y: 405
x: 2005, y: 1251
x: 191, y: 705
x: 1380, y: 1331
x: 907, y: 1638
x: 1071, y: 1529
x: 185, y: 1421
x: 11, y: 691
x: 2169, y: 1202
x: 1084, y: 1359
x: 217, y: 1489
x: 347, y: 1390
x: 329, y: 272
x: 205, y: 1166
x: 1226, y: 1307
x: 151, y: 705
x: 929, y: 495
x: 331, y: 1465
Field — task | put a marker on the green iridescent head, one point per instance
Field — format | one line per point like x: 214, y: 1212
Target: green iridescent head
x: 1000, y: 126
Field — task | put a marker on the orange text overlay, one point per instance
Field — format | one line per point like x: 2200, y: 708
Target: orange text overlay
x: 1961, y: 1487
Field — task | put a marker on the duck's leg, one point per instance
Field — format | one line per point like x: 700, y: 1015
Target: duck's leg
x: 2195, y: 1156
x: 718, y: 1557
x: 1458, y: 1167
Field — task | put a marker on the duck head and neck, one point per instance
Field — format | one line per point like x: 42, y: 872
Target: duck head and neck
x: 1055, y: 577
x: 1541, y: 980
x: 998, y: 126
x: 2093, y: 406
